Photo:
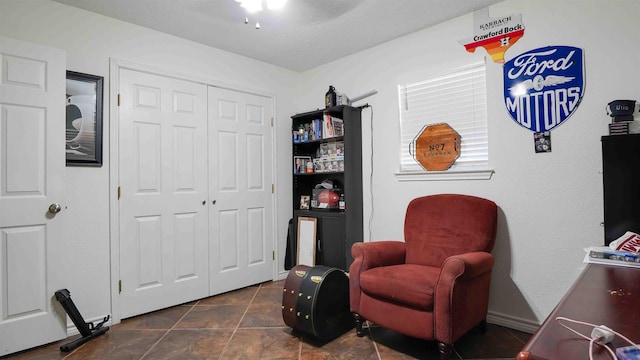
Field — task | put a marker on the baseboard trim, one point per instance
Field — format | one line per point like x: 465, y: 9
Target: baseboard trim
x: 512, y: 322
x: 282, y: 275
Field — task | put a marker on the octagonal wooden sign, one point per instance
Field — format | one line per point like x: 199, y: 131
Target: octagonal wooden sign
x: 437, y: 147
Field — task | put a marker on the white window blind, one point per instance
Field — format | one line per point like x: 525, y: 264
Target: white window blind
x: 459, y: 99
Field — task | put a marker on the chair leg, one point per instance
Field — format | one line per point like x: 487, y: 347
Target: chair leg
x: 359, y: 320
x: 483, y: 326
x: 445, y: 350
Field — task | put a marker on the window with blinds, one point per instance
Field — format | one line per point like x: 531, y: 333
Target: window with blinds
x: 459, y: 99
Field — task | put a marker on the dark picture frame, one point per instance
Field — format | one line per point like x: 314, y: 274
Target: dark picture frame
x: 83, y: 119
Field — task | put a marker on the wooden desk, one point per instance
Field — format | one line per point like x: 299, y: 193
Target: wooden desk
x: 602, y: 295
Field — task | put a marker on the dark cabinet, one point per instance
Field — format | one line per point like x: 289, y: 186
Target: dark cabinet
x: 331, y: 241
x: 621, y: 180
x: 327, y: 179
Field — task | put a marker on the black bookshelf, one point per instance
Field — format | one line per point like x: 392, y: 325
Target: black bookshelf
x: 337, y: 229
x: 621, y: 171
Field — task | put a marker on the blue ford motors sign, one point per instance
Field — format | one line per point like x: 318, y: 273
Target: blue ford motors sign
x: 544, y: 86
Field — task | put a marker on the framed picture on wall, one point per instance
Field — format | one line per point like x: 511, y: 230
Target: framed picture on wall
x: 84, y: 119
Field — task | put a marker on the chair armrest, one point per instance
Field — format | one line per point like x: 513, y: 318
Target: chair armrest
x: 462, y: 294
x: 468, y: 265
x: 369, y: 255
x: 378, y: 253
x: 463, y: 267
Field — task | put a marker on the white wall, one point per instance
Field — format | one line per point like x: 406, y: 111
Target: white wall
x: 90, y: 40
x: 551, y: 203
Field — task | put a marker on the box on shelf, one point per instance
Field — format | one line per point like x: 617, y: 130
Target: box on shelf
x: 333, y: 150
x: 328, y: 165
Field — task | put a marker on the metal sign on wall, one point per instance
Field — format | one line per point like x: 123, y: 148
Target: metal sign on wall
x: 436, y: 147
x: 543, y: 87
x: 495, y: 34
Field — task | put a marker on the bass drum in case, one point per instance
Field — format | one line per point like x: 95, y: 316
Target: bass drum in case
x: 321, y: 305
x: 290, y: 294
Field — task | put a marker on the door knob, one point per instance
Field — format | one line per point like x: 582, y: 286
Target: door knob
x: 54, y: 208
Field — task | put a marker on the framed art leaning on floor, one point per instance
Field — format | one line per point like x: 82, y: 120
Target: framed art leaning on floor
x: 307, y: 241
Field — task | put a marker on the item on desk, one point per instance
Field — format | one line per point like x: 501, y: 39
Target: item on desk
x: 596, y: 255
x: 615, y: 255
x: 630, y: 241
x: 628, y: 353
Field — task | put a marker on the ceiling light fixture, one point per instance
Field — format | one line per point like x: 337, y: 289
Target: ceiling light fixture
x: 254, y: 6
x: 275, y: 4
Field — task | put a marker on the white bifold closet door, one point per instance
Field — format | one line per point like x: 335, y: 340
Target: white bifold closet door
x: 195, y: 176
x: 240, y: 175
x: 163, y: 185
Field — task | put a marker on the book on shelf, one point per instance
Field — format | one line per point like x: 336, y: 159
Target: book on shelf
x: 308, y: 131
x: 329, y: 124
x: 317, y: 129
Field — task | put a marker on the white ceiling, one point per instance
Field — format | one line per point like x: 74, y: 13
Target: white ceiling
x: 305, y: 34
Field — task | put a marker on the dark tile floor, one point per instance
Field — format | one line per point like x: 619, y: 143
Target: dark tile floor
x: 247, y: 324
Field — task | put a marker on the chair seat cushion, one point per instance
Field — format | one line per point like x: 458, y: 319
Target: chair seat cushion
x: 408, y: 284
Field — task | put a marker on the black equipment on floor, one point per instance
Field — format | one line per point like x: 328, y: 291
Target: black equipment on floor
x: 87, y: 330
x: 290, y: 255
x: 315, y: 301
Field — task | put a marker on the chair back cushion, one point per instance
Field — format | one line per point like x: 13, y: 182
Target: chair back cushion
x: 439, y: 226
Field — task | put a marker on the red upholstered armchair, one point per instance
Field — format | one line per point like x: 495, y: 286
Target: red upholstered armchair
x: 435, y: 284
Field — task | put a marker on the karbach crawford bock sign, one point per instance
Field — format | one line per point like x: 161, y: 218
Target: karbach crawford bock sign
x: 495, y: 34
x: 544, y: 86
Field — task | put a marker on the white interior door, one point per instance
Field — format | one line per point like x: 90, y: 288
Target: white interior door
x: 32, y: 160
x: 163, y: 187
x: 240, y: 173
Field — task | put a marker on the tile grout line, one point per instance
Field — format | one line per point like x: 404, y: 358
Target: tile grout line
x: 516, y: 337
x: 226, y: 346
x: 168, y: 330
